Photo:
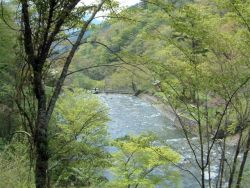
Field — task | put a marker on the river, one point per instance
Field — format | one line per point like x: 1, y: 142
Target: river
x: 132, y: 116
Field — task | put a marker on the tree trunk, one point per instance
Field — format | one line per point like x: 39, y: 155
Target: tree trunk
x: 243, y: 162
x: 42, y: 153
x: 230, y: 182
x: 41, y: 133
x: 203, y: 178
x: 37, y: 53
x: 222, y: 162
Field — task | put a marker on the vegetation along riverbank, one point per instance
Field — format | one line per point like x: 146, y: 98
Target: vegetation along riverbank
x: 189, y: 59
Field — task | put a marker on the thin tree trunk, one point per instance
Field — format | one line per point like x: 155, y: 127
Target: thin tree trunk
x: 241, y: 171
x: 223, y: 157
x: 208, y: 141
x: 230, y: 182
x: 223, y: 162
x: 202, y: 178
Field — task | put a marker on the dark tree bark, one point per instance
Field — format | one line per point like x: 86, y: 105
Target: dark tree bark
x: 41, y: 133
x: 231, y: 177
x: 37, y: 54
x: 243, y: 162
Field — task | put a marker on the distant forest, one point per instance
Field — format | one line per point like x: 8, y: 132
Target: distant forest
x: 191, y: 57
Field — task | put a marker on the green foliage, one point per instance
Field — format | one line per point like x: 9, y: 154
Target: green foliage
x: 204, y: 68
x: 15, y: 166
x: 113, y: 82
x: 84, y: 82
x: 198, y: 50
x: 137, y: 161
x: 7, y: 39
x: 8, y: 42
x: 7, y: 46
x: 78, y: 137
x: 204, y: 58
x: 123, y: 39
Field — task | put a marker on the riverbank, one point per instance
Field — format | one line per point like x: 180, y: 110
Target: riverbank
x: 166, y: 111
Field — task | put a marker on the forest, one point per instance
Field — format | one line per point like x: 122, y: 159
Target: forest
x: 124, y: 93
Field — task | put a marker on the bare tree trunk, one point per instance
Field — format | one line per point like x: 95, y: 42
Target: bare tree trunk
x: 41, y: 136
x: 241, y: 171
x: 42, y: 156
x: 202, y: 165
x: 208, y: 141
x: 230, y: 183
x: 222, y: 162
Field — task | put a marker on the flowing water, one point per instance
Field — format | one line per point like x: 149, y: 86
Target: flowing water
x: 132, y: 116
